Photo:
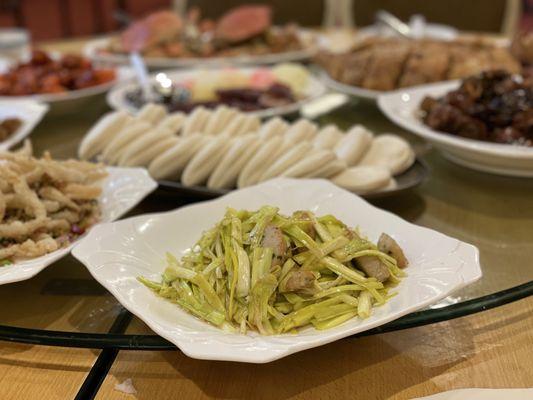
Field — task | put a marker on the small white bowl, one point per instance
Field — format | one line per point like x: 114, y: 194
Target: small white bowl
x: 123, y: 189
x: 402, y: 107
x: 117, y: 253
x: 355, y: 91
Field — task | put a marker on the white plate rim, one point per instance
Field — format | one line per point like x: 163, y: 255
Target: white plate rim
x: 92, y: 48
x: 141, y: 185
x: 187, y: 345
x: 389, y: 101
x: 315, y: 88
x: 30, y: 112
x: 350, y: 90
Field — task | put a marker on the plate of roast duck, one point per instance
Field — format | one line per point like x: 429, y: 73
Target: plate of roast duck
x: 376, y: 65
x: 243, y: 35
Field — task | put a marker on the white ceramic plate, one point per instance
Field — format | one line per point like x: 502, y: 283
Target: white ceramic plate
x: 123, y: 189
x: 93, y: 50
x: 29, y: 112
x: 402, y: 107
x: 116, y: 254
x: 116, y: 98
x: 349, y: 89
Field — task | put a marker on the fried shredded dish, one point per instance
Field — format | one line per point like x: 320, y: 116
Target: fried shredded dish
x: 44, y: 203
x: 271, y: 273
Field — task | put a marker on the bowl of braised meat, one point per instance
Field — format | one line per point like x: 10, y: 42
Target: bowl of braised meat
x: 57, y: 79
x: 484, y: 122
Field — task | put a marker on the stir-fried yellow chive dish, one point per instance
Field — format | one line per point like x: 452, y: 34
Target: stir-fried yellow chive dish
x: 270, y: 273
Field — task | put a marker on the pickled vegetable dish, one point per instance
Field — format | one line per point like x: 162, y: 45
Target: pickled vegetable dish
x: 266, y: 272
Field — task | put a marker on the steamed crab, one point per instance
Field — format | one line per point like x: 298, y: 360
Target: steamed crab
x: 167, y: 33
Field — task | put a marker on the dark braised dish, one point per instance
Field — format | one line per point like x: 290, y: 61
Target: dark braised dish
x: 494, y: 106
x: 242, y: 98
x: 45, y: 74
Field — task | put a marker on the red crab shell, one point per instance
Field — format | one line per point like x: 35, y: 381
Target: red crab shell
x: 243, y: 22
x: 153, y: 29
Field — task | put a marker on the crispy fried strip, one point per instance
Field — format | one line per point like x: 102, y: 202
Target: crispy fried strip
x: 82, y: 192
x: 35, y: 207
x: 19, y: 229
x: 51, y: 193
x: 29, y: 249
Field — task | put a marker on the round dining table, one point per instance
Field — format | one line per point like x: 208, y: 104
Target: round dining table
x: 63, y: 336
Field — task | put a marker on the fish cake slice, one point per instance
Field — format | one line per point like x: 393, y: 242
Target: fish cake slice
x: 143, y: 158
x: 171, y: 162
x: 302, y: 129
x: 389, y: 151
x: 205, y: 161
x: 102, y: 133
x: 151, y: 113
x: 264, y: 156
x: 328, y: 137
x: 250, y: 124
x: 307, y: 165
x: 273, y: 127
x: 174, y: 122
x: 143, y: 144
x: 129, y: 133
x: 291, y: 157
x: 219, y: 119
x: 196, y: 121
x: 353, y: 145
x: 328, y: 170
x: 227, y: 171
x: 363, y: 179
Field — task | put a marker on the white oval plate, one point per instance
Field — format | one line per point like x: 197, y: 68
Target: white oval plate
x: 402, y: 107
x: 123, y: 74
x: 116, y: 98
x: 123, y: 189
x: 349, y: 89
x: 29, y: 112
x: 116, y: 254
x: 93, y: 50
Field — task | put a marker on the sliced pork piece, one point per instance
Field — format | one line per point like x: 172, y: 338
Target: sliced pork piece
x: 273, y: 238
x: 389, y: 246
x: 374, y: 268
x: 299, y: 280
